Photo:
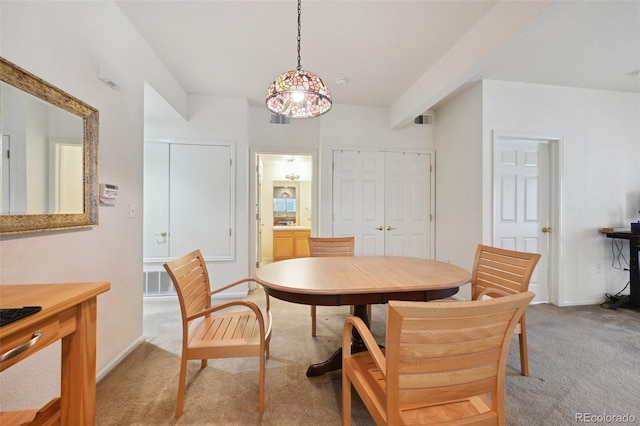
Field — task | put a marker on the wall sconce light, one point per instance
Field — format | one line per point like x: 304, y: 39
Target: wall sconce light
x: 292, y: 176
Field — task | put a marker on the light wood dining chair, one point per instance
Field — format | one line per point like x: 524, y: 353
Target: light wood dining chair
x: 498, y: 271
x: 330, y: 246
x: 443, y: 362
x: 213, y: 331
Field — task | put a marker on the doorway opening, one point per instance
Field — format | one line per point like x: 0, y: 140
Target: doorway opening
x: 284, y: 200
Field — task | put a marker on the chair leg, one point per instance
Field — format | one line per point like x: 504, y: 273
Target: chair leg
x: 346, y: 400
x: 261, y: 384
x: 524, y: 354
x: 313, y: 320
x: 181, y: 380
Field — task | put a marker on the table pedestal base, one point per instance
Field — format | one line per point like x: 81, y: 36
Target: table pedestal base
x: 334, y: 362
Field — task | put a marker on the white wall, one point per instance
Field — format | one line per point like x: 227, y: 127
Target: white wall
x: 64, y: 43
x: 599, y: 133
x: 300, y: 135
x: 600, y: 143
x: 458, y: 134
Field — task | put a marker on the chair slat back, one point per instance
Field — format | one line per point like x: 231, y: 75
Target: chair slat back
x: 191, y: 280
x: 509, y: 271
x: 331, y: 246
x: 438, y: 351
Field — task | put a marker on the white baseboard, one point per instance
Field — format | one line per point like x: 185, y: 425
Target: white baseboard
x: 230, y: 295
x: 114, y: 362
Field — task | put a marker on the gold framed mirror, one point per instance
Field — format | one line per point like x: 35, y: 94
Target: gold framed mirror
x: 49, y: 168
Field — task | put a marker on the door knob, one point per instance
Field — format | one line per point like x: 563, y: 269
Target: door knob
x: 379, y: 228
x: 546, y: 229
x: 162, y: 234
x: 389, y: 228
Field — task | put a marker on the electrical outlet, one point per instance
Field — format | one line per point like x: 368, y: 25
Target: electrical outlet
x: 598, y: 268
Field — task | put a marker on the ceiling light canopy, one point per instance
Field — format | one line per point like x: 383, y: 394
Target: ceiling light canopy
x: 298, y: 93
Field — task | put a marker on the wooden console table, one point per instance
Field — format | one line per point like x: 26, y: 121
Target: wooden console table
x: 68, y: 313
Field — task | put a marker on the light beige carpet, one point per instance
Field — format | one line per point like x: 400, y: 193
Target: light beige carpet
x: 582, y: 360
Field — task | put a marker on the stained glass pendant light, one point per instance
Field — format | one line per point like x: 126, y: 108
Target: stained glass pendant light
x: 298, y: 93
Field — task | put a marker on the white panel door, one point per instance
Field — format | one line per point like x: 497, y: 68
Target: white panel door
x: 200, y: 200
x: 407, y: 204
x: 358, y: 199
x: 521, y: 202
x: 384, y: 200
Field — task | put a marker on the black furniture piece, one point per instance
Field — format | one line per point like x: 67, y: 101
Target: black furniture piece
x: 634, y: 274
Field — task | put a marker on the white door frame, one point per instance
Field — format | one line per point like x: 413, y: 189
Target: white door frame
x: 554, y: 278
x: 254, y: 152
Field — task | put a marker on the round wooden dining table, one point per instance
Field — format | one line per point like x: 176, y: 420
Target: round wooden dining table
x: 358, y: 281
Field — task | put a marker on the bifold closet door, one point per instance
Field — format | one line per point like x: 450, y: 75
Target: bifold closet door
x: 407, y: 204
x: 200, y: 200
x: 188, y: 200
x: 384, y: 200
x: 358, y: 199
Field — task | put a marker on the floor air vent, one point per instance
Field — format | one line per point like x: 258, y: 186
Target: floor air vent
x: 157, y: 283
x: 279, y: 119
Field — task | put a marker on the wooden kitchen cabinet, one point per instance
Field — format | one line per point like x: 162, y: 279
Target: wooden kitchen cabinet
x: 301, y: 243
x: 290, y: 243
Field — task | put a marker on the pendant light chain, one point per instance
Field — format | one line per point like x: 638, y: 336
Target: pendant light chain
x: 299, y: 28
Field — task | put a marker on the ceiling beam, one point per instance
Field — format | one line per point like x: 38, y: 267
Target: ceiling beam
x: 464, y: 62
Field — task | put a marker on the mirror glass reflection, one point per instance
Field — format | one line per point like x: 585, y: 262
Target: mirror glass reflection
x: 285, y: 197
x: 42, y: 156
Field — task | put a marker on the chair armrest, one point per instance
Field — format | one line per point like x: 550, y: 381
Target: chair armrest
x: 228, y: 286
x: 490, y: 292
x: 371, y: 344
x: 246, y: 303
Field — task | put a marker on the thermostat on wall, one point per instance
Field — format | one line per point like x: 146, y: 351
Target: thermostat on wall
x: 108, y: 193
